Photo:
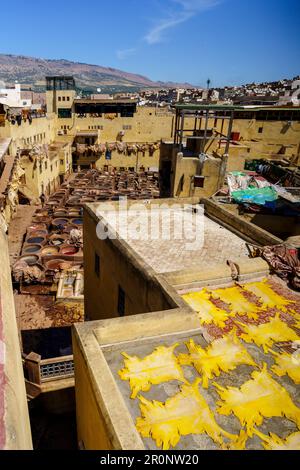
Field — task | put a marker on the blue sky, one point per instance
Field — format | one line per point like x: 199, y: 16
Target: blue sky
x: 229, y: 41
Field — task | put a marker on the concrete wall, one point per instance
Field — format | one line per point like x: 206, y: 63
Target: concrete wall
x: 238, y: 224
x: 43, y: 175
x: 15, y: 431
x: 41, y: 131
x: 92, y: 432
x: 212, y: 170
x: 183, y: 169
x: 135, y: 161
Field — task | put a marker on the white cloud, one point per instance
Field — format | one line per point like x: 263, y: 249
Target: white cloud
x: 122, y: 54
x: 197, y: 5
x: 187, y: 9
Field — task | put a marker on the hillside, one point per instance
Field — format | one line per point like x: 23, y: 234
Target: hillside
x: 31, y: 71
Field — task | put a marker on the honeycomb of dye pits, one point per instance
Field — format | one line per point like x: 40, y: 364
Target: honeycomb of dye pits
x: 31, y: 260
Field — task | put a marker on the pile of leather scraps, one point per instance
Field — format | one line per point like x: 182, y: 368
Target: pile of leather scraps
x: 23, y: 272
x: 121, y: 147
x: 284, y: 261
x: 76, y: 237
x: 81, y: 148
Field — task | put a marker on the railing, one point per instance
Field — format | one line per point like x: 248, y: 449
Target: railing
x: 39, y: 371
x: 60, y: 368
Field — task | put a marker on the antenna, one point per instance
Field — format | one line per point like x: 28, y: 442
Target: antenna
x: 208, y: 83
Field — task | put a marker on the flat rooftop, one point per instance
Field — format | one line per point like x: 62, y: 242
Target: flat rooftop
x: 105, y: 101
x: 147, y: 369
x: 225, y: 107
x: 166, y: 247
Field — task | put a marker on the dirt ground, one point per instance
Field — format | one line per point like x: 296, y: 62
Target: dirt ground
x: 17, y: 230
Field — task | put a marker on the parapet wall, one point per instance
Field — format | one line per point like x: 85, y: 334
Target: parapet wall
x: 237, y: 224
x: 15, y: 431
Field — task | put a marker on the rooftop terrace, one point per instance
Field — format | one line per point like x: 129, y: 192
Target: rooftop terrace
x: 201, y: 243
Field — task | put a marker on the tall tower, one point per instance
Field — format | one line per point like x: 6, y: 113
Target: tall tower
x: 60, y: 94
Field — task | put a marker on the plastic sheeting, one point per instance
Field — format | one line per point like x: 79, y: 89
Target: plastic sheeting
x: 247, y: 188
x: 255, y: 195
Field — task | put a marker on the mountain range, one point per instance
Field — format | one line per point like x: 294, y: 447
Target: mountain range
x: 31, y: 72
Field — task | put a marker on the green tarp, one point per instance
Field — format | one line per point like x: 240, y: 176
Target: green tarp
x: 255, y: 195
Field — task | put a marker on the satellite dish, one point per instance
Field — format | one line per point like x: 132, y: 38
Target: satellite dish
x: 98, y: 90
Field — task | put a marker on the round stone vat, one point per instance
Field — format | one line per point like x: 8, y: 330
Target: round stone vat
x: 50, y: 251
x: 58, y: 240
x: 60, y: 213
x: 60, y: 221
x: 77, y: 222
x: 54, y: 264
x: 37, y: 233
x: 31, y: 249
x: 34, y: 227
x: 31, y: 260
x: 69, y: 227
x: 68, y: 250
x: 35, y: 240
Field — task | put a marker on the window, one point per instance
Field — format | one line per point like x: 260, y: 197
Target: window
x: 260, y: 130
x: 199, y: 181
x: 59, y: 98
x: 61, y: 162
x: 46, y: 165
x: 68, y: 98
x: 64, y: 98
x: 97, y: 265
x: 51, y: 168
x: 64, y: 113
x: 121, y: 302
x: 127, y: 128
